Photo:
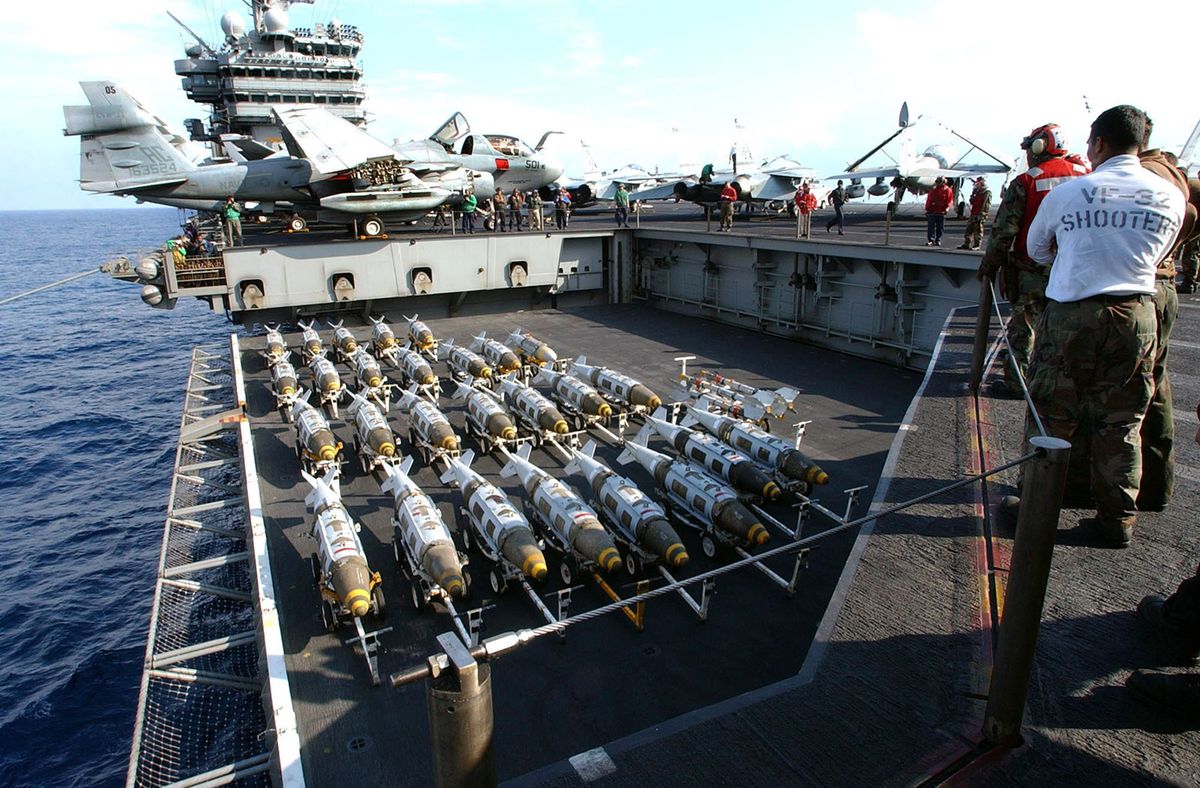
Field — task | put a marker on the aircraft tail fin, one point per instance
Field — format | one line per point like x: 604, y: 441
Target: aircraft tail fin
x: 123, y: 146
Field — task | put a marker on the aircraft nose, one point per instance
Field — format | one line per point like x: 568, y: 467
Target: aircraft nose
x: 554, y: 169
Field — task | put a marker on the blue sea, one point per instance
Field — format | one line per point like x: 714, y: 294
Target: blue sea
x: 91, y: 388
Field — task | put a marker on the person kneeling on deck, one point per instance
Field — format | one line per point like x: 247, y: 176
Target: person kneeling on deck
x: 1094, y: 358
x: 1021, y: 281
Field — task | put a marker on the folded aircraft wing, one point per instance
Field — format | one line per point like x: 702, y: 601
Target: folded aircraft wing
x: 776, y: 187
x: 879, y: 172
x: 328, y: 142
x: 664, y: 191
x: 962, y: 171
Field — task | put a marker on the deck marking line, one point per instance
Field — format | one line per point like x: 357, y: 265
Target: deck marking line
x: 593, y: 764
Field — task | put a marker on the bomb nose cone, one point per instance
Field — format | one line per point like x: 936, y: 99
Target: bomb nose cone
x: 428, y: 379
x: 374, y: 381
x: 388, y: 450
x: 508, y: 433
x: 450, y: 442
x: 609, y: 560
x: 677, y: 555
x: 486, y: 372
x: 818, y: 476
x: 604, y: 411
x: 289, y: 390
x: 561, y: 427
x: 358, y: 602
x: 771, y: 491
x: 521, y: 550
x: 313, y: 347
x: 736, y: 519
x: 758, y: 534
x: 654, y: 403
x: 594, y: 543
x: 327, y: 453
x: 441, y: 561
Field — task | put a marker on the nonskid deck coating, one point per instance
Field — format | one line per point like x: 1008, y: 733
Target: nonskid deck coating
x: 554, y: 699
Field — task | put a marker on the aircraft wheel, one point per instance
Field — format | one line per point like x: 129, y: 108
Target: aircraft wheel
x: 466, y: 538
x: 297, y: 223
x: 314, y: 564
x: 379, y: 603
x: 708, y: 546
x: 891, y: 209
x: 328, y: 615
x: 567, y: 569
x: 497, y: 581
x: 418, y: 595
x: 960, y: 210
x: 372, y: 226
x: 467, y: 584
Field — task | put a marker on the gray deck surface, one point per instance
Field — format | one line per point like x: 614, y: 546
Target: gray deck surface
x: 899, y: 693
x: 606, y: 681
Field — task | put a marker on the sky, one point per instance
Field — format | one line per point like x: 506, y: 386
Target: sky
x: 654, y: 83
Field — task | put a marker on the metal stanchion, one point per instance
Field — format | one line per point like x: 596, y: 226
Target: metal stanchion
x: 887, y: 226
x: 1033, y: 549
x: 983, y: 319
x: 708, y: 218
x: 460, y: 719
x: 799, y: 219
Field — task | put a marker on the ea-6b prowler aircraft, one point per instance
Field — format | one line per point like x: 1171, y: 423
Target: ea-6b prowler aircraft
x: 510, y: 162
x: 772, y: 181
x: 915, y: 173
x: 126, y: 150
x: 335, y: 172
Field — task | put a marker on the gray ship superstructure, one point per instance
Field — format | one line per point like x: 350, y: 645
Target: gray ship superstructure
x: 269, y: 64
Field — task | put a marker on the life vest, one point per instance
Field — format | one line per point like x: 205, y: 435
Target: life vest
x: 977, y: 198
x: 1038, y: 180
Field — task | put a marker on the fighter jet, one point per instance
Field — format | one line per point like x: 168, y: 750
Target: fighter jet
x: 915, y: 173
x: 509, y: 162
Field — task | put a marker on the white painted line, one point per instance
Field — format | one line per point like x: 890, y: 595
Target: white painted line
x: 278, y: 697
x: 1180, y: 343
x: 593, y: 764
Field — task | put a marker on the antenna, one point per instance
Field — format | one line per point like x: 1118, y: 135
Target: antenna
x: 191, y: 33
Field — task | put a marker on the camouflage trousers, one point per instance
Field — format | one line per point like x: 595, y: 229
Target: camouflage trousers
x: 1189, y: 261
x: 1026, y: 291
x: 1158, y: 426
x: 973, y: 235
x: 1158, y: 429
x: 1093, y: 370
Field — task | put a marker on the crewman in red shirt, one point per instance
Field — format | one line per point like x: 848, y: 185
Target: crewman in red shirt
x: 806, y: 203
x: 728, y: 198
x: 937, y: 203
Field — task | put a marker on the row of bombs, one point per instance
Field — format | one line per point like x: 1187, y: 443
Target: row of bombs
x: 704, y: 495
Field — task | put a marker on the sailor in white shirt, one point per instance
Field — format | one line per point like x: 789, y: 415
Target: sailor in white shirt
x: 1093, y: 366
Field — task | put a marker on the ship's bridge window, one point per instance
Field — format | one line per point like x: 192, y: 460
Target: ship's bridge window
x: 287, y: 74
x: 289, y: 99
x: 320, y: 98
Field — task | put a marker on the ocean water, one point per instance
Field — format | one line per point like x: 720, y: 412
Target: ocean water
x: 91, y: 387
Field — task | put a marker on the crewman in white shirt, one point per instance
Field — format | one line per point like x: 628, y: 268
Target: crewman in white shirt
x: 1093, y: 366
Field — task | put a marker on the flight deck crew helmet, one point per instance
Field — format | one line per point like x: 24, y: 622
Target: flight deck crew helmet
x: 1045, y: 140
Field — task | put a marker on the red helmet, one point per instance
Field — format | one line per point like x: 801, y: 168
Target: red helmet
x: 1045, y: 140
